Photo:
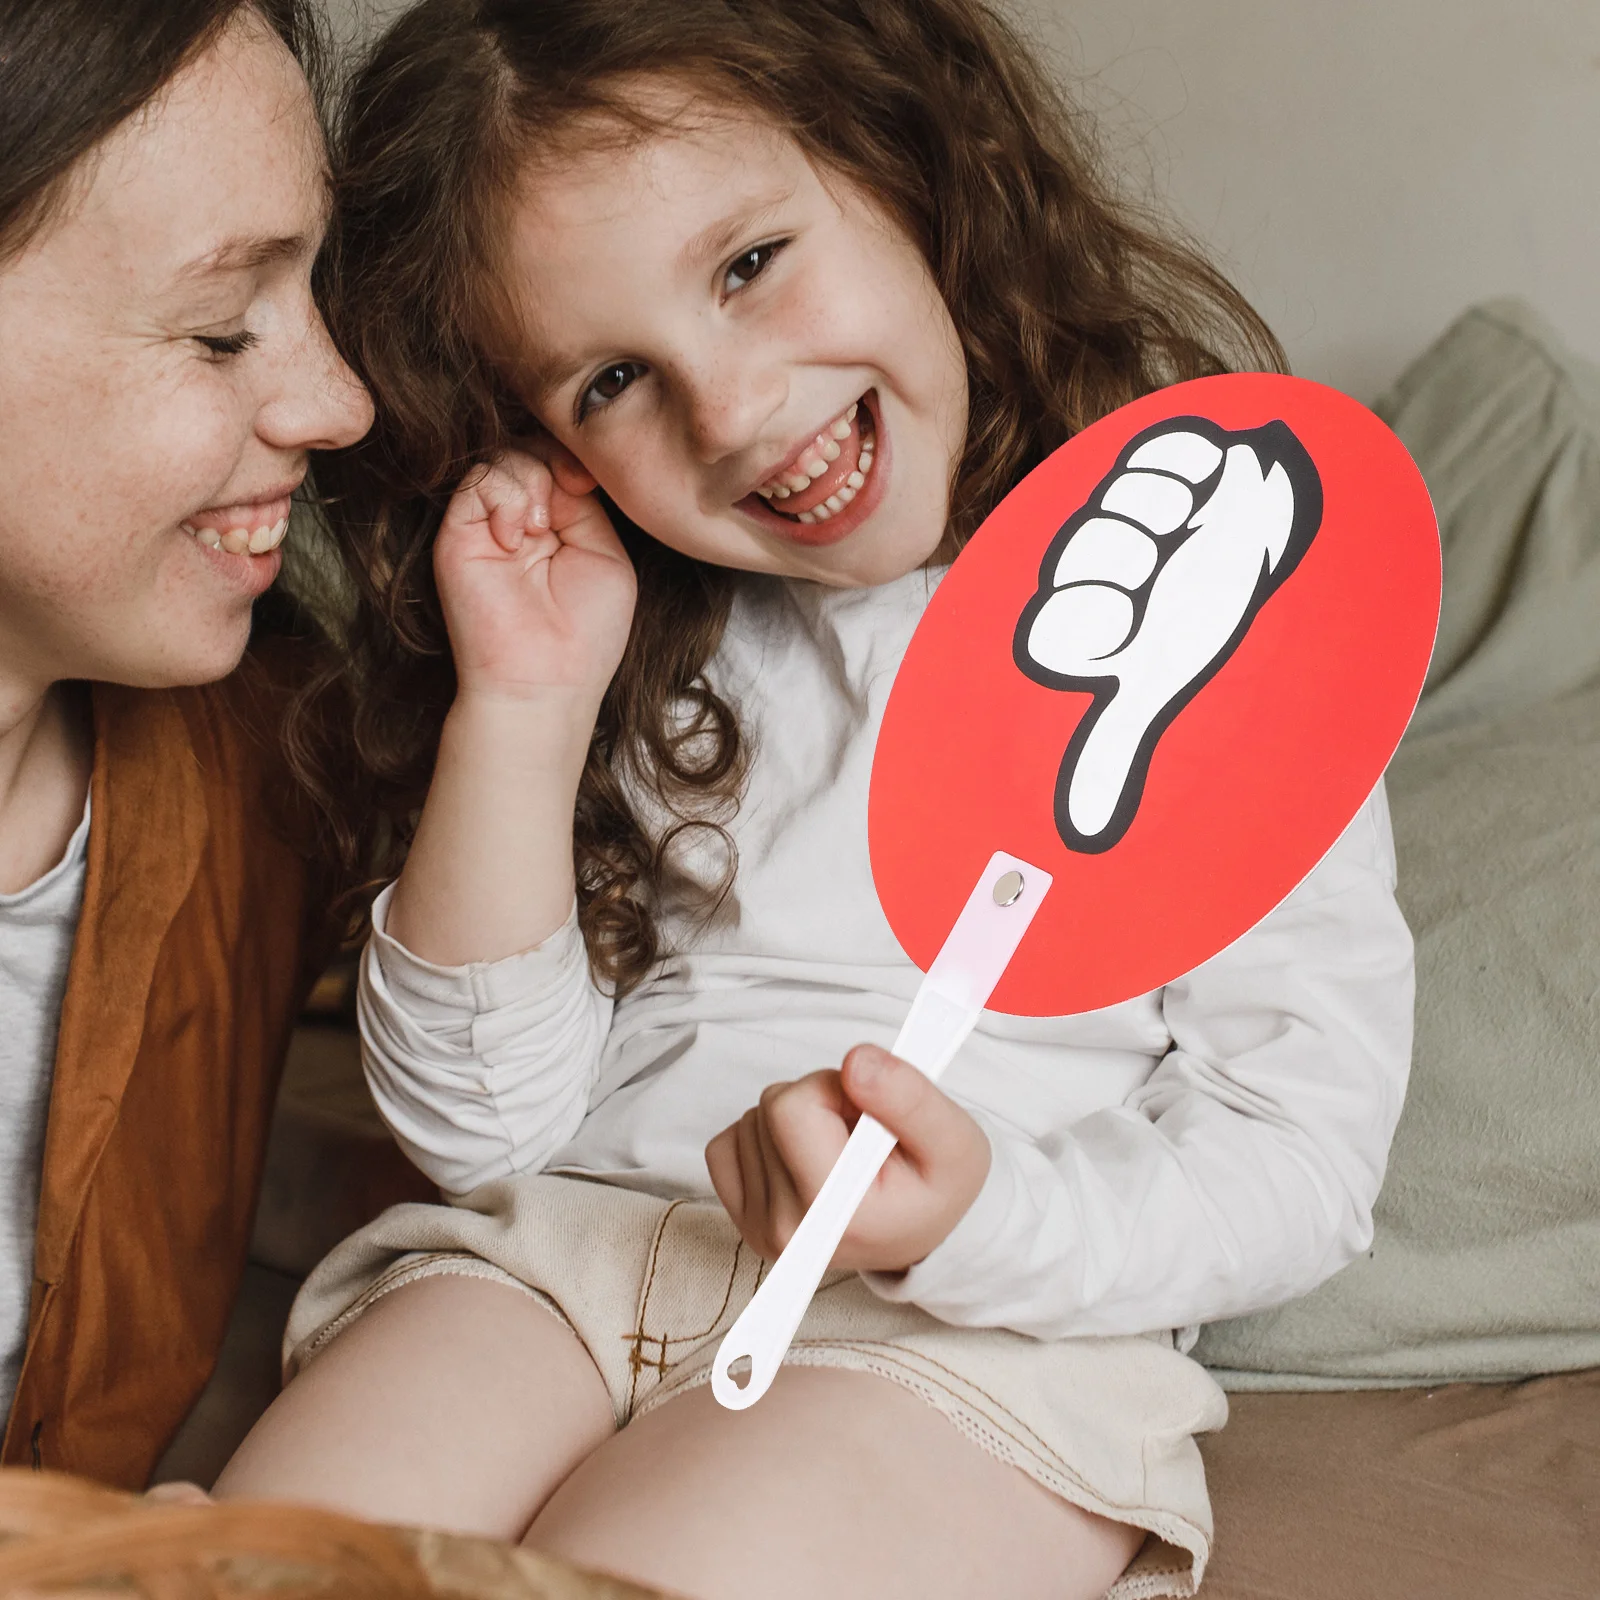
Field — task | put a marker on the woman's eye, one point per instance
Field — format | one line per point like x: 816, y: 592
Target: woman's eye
x: 227, y: 344
x: 607, y: 385
x: 748, y: 267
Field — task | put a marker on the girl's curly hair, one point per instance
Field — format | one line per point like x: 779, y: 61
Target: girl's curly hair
x: 1067, y: 303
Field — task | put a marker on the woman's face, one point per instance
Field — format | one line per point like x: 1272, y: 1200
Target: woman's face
x: 755, y: 364
x: 164, y: 374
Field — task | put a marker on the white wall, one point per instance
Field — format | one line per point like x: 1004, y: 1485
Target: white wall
x: 1363, y: 168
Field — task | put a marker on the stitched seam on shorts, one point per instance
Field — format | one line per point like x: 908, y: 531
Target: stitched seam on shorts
x: 636, y: 1354
x: 397, y: 1277
x: 896, y: 1355
x: 639, y: 1338
x: 1152, y: 1583
x: 1043, y: 1448
x: 1039, y: 1446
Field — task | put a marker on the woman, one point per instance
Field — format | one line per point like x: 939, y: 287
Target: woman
x: 165, y: 375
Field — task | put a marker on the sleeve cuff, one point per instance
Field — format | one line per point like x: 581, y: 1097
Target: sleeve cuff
x: 954, y: 1269
x: 479, y: 986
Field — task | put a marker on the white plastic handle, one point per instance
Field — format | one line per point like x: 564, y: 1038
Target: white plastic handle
x: 946, y: 1006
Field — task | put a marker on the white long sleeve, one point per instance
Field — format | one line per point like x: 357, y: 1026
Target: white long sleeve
x: 1200, y: 1151
x: 1243, y: 1171
x: 484, y: 1070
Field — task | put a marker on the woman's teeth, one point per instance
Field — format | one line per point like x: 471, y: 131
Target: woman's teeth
x: 823, y: 452
x: 241, y: 540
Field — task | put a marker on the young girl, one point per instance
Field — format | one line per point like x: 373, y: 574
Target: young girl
x: 788, y: 294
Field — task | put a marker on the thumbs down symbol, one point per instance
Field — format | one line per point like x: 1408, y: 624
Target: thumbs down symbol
x: 1150, y: 587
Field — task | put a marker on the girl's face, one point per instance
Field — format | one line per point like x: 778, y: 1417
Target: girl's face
x: 164, y: 375
x: 755, y: 364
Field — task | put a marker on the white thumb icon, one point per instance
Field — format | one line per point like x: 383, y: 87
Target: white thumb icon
x: 1150, y: 587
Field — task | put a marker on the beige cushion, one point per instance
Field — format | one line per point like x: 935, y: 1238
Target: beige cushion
x: 1486, y: 1261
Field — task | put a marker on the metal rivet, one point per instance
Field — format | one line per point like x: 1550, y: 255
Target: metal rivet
x: 1008, y: 888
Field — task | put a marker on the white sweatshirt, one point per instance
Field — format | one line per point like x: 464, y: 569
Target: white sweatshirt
x: 1199, y: 1152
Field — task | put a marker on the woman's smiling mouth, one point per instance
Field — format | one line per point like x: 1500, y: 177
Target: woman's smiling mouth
x: 254, y: 529
x: 830, y: 485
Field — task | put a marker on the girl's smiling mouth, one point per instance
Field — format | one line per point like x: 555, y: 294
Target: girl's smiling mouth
x: 831, y: 484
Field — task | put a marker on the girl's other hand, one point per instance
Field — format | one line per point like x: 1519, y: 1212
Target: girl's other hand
x: 537, y: 590
x: 768, y: 1167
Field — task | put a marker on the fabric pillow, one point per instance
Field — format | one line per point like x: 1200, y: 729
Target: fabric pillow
x: 1486, y: 1259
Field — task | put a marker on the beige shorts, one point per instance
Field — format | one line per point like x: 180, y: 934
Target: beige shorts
x: 650, y: 1286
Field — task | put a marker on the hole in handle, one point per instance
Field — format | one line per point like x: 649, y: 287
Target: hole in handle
x: 740, y: 1371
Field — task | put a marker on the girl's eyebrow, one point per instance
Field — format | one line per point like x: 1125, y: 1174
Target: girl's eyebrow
x: 720, y: 236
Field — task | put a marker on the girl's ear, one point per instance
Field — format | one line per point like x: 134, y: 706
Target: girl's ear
x: 568, y: 471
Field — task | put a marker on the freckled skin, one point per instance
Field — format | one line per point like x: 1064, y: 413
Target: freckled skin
x: 734, y: 381
x: 116, y: 425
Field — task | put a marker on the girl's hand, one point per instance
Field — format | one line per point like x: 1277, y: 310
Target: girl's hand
x: 768, y: 1167
x: 536, y: 588
x: 538, y: 597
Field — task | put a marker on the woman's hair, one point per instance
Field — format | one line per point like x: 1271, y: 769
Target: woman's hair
x: 72, y: 71
x: 1067, y: 304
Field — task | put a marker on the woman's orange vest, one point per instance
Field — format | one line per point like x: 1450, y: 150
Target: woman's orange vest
x: 199, y: 935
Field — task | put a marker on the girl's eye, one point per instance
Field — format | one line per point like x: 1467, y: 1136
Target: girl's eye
x: 607, y: 385
x: 227, y: 344
x: 748, y: 267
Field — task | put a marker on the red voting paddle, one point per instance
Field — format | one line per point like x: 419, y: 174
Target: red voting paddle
x: 1162, y: 678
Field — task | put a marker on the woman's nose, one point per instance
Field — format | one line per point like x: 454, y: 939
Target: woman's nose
x: 321, y: 404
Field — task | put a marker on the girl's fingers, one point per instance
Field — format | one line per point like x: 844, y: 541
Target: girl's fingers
x: 810, y: 1121
x: 784, y: 1205
x: 511, y: 498
x: 933, y: 1132
x: 753, y: 1174
x: 517, y: 496
x: 722, y: 1163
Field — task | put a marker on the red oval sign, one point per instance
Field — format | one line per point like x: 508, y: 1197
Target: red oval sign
x: 1168, y: 669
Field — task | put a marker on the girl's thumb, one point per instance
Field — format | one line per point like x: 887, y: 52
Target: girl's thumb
x: 923, y: 1120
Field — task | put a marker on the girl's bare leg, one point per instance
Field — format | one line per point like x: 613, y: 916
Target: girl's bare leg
x: 838, y: 1484
x: 455, y: 1403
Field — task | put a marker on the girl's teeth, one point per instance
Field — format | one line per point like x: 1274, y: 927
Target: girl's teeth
x: 236, y: 541
x: 209, y: 537
x: 825, y: 450
x: 806, y: 517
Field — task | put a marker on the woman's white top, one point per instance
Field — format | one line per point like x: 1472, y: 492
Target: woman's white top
x: 37, y: 927
x: 1201, y: 1151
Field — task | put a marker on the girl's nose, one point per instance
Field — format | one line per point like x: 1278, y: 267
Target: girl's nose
x: 730, y: 405
x: 321, y: 404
